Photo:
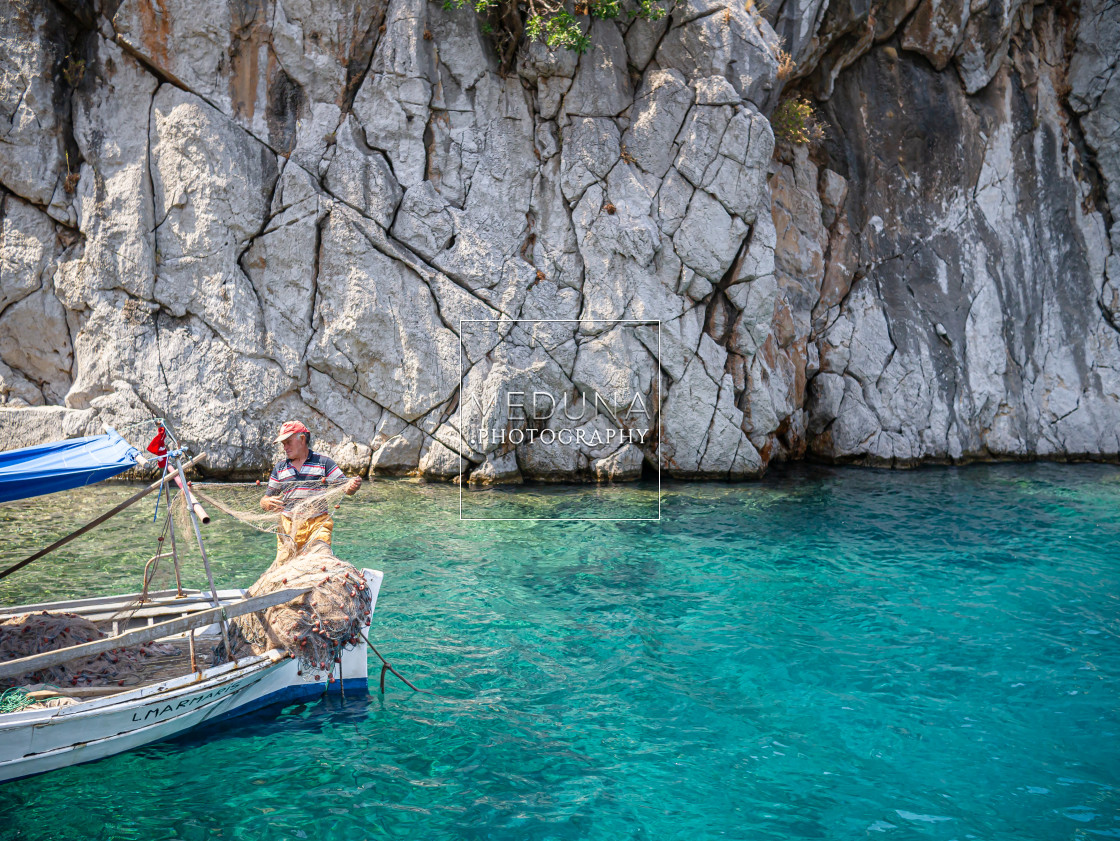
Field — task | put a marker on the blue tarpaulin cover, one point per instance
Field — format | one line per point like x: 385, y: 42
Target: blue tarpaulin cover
x: 62, y: 465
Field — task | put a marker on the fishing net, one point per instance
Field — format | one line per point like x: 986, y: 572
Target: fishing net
x: 35, y: 633
x: 303, y: 517
x: 315, y: 627
x: 241, y: 500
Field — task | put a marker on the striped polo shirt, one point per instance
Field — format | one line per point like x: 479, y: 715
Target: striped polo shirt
x: 295, y: 485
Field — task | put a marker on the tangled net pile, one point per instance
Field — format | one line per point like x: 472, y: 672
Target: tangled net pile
x: 35, y: 633
x: 315, y: 627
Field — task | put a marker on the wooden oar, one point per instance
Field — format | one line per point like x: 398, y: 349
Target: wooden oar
x: 26, y: 665
x: 93, y: 523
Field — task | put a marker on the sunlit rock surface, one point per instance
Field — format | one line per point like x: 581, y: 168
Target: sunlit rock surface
x: 232, y: 215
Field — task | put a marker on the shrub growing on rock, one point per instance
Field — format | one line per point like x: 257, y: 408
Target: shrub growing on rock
x: 795, y: 121
x: 553, y: 22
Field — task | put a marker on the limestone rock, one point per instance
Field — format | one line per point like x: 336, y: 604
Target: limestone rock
x: 266, y: 65
x: 35, y: 342
x: 437, y: 461
x: 590, y: 149
x: 113, y: 199
x: 729, y: 43
x: 410, y: 364
x: 923, y: 378
x: 601, y: 85
x: 424, y: 223
x: 352, y: 457
x: 497, y: 470
x: 344, y: 212
x: 360, y: 176
x: 357, y: 417
x: 211, y: 206
x: 399, y: 455
x: 936, y: 30
x: 280, y: 264
x: 26, y: 427
x: 623, y: 465
x: 28, y: 245
x: 708, y: 237
x: 34, y: 69
x: 700, y: 139
x: 738, y: 174
x: 548, y: 461
x: 659, y: 111
x: 393, y: 112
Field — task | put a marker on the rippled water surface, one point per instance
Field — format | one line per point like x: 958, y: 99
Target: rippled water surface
x: 827, y: 654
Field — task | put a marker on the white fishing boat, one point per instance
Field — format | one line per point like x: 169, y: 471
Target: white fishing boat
x: 179, y: 689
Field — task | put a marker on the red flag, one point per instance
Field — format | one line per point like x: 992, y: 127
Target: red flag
x: 158, y: 447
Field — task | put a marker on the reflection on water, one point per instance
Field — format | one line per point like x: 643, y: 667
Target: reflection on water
x: 823, y: 654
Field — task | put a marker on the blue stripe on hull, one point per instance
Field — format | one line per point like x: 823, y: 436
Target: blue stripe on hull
x: 355, y: 686
x: 300, y: 692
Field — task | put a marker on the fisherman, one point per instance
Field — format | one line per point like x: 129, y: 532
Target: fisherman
x: 301, y: 474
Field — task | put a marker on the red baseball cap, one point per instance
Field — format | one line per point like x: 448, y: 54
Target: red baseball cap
x: 290, y: 428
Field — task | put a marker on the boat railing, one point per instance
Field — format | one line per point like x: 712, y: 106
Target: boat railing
x: 149, y: 633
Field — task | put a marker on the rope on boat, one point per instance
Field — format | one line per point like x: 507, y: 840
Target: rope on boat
x: 13, y: 700
x: 386, y: 667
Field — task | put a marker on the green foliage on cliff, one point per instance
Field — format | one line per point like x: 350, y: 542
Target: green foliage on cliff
x: 795, y: 121
x: 553, y: 22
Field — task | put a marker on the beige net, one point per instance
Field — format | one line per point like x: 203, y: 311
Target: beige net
x: 241, y: 500
x: 316, y: 627
x: 35, y: 633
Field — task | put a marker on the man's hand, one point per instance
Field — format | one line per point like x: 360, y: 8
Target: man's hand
x: 352, y: 488
x: 272, y: 503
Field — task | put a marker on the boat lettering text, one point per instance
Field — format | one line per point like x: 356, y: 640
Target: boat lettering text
x: 194, y: 701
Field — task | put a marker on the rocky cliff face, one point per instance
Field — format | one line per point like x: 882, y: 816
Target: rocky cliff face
x: 234, y: 214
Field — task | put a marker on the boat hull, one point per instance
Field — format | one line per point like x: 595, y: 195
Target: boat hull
x: 37, y: 741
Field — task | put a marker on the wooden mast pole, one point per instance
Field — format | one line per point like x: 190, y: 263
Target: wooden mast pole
x: 198, y: 535
x: 179, y: 594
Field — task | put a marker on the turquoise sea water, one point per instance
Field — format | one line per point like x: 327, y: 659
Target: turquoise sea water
x: 827, y: 654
